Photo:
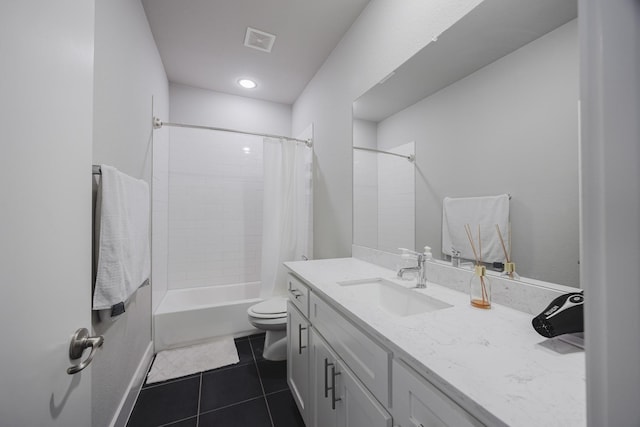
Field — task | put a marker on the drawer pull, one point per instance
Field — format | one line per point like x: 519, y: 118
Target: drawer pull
x: 334, y: 374
x: 300, y: 346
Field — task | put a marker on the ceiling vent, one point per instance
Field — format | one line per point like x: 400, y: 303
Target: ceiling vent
x: 260, y: 40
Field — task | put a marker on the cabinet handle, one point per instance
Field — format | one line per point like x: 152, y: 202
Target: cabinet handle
x: 334, y: 374
x: 296, y: 293
x: 300, y: 346
x: 326, y: 376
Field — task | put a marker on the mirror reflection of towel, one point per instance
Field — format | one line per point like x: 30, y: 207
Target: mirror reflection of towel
x: 484, y: 211
x: 122, y: 237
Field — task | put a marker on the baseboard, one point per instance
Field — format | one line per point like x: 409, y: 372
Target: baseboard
x: 129, y: 400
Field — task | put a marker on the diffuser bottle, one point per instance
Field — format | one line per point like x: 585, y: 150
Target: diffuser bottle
x: 480, y: 288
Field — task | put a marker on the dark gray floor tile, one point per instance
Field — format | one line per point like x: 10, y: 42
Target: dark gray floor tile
x: 228, y: 386
x: 244, y: 351
x: 273, y: 375
x: 189, y: 422
x: 166, y: 403
x: 160, y: 383
x: 252, y: 413
x: 284, y: 410
x: 257, y: 343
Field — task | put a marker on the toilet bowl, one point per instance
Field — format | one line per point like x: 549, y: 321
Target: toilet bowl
x: 271, y: 316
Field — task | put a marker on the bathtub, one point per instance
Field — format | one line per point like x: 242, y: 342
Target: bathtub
x: 189, y: 316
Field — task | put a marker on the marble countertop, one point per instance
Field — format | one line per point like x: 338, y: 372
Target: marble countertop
x: 491, y: 362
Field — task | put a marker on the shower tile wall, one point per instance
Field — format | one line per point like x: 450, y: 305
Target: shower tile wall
x: 160, y: 216
x: 365, y: 198
x: 215, y: 208
x: 384, y: 199
x: 396, y: 200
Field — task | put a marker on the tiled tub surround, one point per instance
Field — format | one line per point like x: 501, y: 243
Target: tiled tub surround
x: 491, y: 362
x: 215, y: 208
x: 384, y: 194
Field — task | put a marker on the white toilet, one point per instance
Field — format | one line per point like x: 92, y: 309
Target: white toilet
x: 271, y: 316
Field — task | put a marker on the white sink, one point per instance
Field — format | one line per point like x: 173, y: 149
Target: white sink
x: 393, y: 298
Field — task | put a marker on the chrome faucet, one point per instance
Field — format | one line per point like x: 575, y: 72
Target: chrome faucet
x: 420, y: 268
x: 455, y: 258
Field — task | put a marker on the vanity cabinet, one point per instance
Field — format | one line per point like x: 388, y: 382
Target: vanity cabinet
x: 339, y: 398
x: 341, y: 377
x: 298, y: 361
x: 365, y: 357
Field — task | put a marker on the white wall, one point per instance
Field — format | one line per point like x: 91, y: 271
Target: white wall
x: 205, y: 107
x: 128, y: 72
x: 610, y: 205
x: 215, y: 187
x: 386, y: 34
x: 511, y: 127
x: 46, y: 101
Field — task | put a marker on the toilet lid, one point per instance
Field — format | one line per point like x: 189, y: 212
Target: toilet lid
x: 270, y: 307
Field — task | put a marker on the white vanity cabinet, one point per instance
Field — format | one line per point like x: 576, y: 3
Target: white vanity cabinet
x: 364, y: 356
x: 342, y: 377
x: 339, y: 398
x: 298, y: 350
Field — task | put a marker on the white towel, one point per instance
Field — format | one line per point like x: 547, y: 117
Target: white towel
x: 484, y: 211
x: 122, y: 237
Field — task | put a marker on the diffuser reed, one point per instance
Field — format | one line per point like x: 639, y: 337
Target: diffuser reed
x: 509, y: 266
x: 479, y: 286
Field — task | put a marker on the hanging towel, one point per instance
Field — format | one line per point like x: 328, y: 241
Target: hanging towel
x: 483, y: 211
x: 122, y: 238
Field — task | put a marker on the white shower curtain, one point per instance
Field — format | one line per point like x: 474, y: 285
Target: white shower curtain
x: 287, y: 211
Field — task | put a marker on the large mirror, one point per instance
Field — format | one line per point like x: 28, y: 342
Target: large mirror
x: 489, y: 107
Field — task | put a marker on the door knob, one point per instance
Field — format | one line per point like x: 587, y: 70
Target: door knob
x: 79, y: 342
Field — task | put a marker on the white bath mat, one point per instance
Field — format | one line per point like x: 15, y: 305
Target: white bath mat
x: 183, y: 361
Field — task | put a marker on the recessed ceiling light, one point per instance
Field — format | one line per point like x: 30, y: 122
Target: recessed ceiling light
x: 247, y: 84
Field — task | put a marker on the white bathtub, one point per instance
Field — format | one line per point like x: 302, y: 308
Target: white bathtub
x: 188, y: 316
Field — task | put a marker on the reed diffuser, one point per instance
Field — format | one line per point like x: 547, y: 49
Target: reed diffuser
x: 509, y: 266
x: 479, y: 285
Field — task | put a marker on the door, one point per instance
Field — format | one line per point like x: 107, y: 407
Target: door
x: 322, y: 393
x: 298, y: 358
x: 46, y: 110
x: 356, y: 406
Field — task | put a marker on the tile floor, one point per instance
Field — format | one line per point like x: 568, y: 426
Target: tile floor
x: 252, y: 393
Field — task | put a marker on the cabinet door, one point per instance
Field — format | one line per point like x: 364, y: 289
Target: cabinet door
x: 323, y: 359
x: 356, y: 406
x: 298, y: 358
x: 416, y: 402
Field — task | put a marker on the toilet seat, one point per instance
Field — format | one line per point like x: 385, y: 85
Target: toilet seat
x: 273, y: 308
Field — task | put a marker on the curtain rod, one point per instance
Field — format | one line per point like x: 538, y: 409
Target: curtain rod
x: 411, y: 158
x: 157, y: 124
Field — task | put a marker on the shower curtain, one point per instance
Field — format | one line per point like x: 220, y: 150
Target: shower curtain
x: 287, y: 212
